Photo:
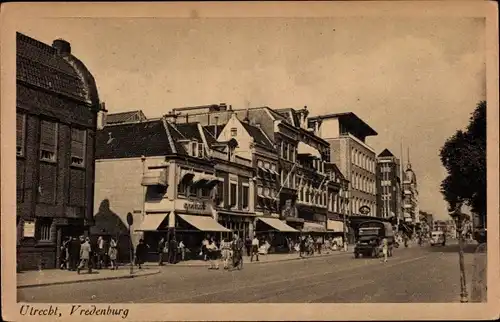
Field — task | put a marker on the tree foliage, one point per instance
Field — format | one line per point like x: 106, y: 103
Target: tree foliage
x: 464, y: 157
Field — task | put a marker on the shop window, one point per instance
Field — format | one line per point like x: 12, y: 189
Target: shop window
x: 78, y: 142
x: 43, y: 226
x: 182, y: 189
x: 48, y: 141
x: 233, y: 194
x: 245, y: 196
x: 20, y: 134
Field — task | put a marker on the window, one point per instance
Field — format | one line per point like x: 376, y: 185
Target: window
x: 292, y: 151
x: 220, y: 192
x: 78, y: 142
x: 43, y: 229
x: 245, y: 196
x: 273, y: 168
x: 182, y: 189
x: 234, y: 132
x: 266, y: 192
x: 20, y: 134
x: 285, y: 154
x: 259, y: 190
x: 205, y: 192
x: 48, y: 141
x: 233, y: 194
x: 194, y: 148
x: 201, y: 150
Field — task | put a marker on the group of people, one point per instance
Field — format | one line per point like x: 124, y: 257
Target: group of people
x: 307, y: 245
x: 80, y: 253
x: 228, y: 252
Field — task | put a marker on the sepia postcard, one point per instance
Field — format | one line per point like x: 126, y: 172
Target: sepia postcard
x: 250, y: 161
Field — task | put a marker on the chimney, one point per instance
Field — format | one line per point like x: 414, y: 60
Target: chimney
x: 101, y: 116
x: 62, y: 47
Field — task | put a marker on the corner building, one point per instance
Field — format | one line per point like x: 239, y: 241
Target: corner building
x: 346, y: 133
x: 57, y: 107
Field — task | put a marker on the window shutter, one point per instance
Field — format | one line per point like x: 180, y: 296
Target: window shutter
x: 48, y: 136
x: 78, y: 143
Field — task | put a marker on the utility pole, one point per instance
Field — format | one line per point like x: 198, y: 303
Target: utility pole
x: 459, y: 218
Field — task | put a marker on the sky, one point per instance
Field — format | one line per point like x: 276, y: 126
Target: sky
x: 414, y: 80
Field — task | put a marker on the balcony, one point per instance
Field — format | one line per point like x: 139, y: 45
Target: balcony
x: 155, y: 178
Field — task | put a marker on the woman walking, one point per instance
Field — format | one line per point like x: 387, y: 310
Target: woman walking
x: 113, y: 253
x: 225, y: 247
x: 212, y: 254
x: 140, y: 253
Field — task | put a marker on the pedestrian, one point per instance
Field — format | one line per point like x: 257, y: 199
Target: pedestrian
x: 255, y: 249
x: 237, y: 248
x: 302, y: 246
x: 248, y: 245
x: 161, y: 251
x: 182, y: 250
x: 385, y: 248
x: 85, y: 253
x: 172, y: 251
x: 101, y: 252
x: 225, y: 247
x: 204, y: 245
x: 140, y: 253
x: 113, y: 253
x: 63, y: 256
x: 212, y: 254
x: 319, y: 243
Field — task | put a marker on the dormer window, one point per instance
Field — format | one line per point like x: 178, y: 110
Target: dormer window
x: 201, y: 150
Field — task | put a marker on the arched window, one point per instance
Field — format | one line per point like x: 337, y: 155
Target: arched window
x: 353, y: 156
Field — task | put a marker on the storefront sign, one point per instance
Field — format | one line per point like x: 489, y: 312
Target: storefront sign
x: 195, y: 205
x: 29, y: 230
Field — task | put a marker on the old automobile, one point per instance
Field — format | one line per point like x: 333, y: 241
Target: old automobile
x: 370, y: 236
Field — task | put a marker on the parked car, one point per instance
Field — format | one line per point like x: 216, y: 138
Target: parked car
x: 438, y: 238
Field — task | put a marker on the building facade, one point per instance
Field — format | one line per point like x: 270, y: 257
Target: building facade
x: 346, y: 134
x: 301, y: 154
x: 57, y: 110
x: 388, y: 186
x: 411, y: 211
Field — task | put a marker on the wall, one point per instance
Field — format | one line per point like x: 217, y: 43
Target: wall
x: 118, y: 191
x: 329, y: 128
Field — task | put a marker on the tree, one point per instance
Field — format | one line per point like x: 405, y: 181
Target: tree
x: 464, y: 157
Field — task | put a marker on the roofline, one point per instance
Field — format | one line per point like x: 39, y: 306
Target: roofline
x: 132, y: 122
x: 369, y: 129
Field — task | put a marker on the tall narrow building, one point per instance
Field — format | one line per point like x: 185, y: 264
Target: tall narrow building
x: 410, y: 196
x: 388, y: 186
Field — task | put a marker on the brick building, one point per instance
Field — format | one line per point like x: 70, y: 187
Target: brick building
x: 57, y: 110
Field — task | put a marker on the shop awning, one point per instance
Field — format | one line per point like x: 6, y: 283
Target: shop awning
x: 151, y: 222
x: 187, y: 175
x: 335, y: 226
x: 304, y: 148
x: 278, y: 225
x: 204, y: 223
x: 313, y: 227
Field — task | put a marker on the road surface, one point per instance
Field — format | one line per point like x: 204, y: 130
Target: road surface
x: 412, y: 275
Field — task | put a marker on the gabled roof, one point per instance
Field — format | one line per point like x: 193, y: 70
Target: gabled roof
x: 129, y: 140
x: 42, y: 66
x: 386, y: 153
x: 122, y: 117
x: 258, y: 135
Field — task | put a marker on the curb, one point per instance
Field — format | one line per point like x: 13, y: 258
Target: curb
x: 264, y: 262
x: 153, y: 272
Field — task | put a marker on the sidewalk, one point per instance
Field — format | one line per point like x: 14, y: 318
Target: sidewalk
x: 270, y: 258
x: 57, y: 276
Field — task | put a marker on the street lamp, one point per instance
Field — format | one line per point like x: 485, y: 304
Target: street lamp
x: 459, y: 217
x: 130, y: 222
